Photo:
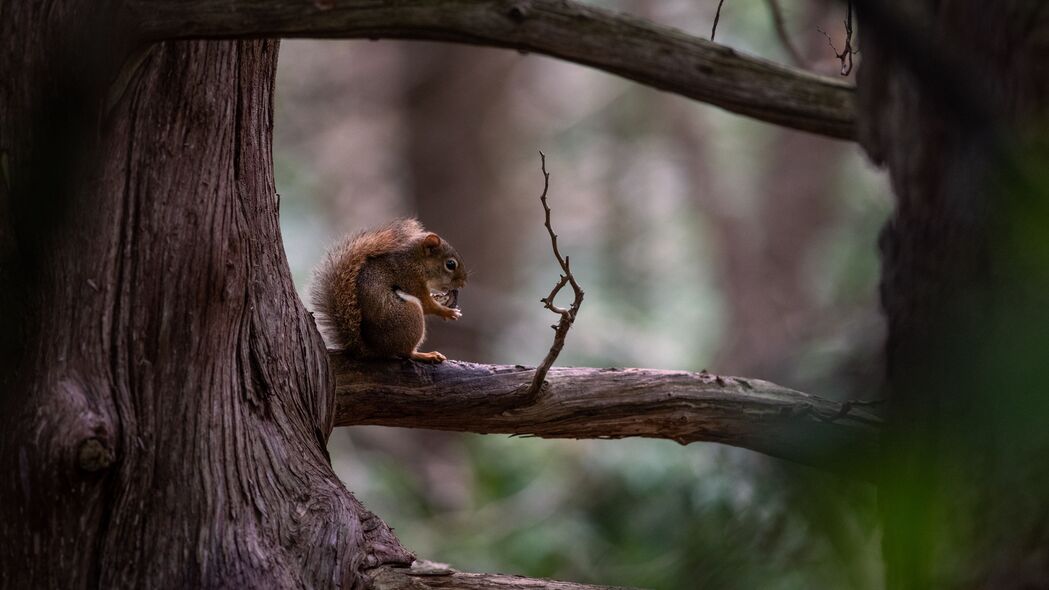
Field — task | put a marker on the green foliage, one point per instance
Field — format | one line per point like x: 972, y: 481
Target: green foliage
x: 643, y: 513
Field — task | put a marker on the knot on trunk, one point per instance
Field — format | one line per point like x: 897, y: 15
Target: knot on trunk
x: 94, y: 455
x: 80, y: 428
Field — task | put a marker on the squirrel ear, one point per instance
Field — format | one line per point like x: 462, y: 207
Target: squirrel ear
x: 431, y: 241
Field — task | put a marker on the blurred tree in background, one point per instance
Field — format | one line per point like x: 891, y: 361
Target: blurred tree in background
x: 704, y: 241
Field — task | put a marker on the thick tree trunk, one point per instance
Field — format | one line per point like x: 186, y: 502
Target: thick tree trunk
x: 167, y: 399
x: 966, y: 493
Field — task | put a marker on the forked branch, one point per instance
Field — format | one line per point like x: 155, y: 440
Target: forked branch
x: 846, y: 53
x: 567, y: 315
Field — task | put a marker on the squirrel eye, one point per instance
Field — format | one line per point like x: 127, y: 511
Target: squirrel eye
x: 451, y: 264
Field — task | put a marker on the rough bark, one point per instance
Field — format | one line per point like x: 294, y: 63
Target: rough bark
x: 658, y: 56
x: 608, y: 403
x: 167, y: 404
x: 964, y: 286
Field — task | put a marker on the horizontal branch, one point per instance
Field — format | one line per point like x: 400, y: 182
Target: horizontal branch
x: 608, y: 403
x: 651, y: 54
x: 424, y: 575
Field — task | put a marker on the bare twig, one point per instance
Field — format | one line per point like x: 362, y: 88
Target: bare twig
x: 567, y: 315
x: 780, y: 26
x: 717, y: 17
x: 589, y: 403
x: 845, y: 55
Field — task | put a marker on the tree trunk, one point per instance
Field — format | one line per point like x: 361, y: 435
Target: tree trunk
x: 965, y: 495
x: 167, y: 399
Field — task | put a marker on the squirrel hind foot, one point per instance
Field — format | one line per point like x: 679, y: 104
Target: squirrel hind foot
x: 428, y: 357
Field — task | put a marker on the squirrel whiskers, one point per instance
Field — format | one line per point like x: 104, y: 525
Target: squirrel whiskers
x: 371, y: 292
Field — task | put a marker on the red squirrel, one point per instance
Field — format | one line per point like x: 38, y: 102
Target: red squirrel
x: 373, y: 289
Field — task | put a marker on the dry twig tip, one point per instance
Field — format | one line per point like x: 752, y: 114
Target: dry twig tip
x: 717, y: 17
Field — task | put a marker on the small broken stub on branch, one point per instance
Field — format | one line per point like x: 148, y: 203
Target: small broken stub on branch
x: 568, y: 315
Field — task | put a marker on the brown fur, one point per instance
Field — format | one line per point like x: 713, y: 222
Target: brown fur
x: 355, y: 290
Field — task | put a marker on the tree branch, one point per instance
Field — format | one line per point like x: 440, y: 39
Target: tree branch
x: 636, y: 49
x: 608, y: 403
x: 425, y: 575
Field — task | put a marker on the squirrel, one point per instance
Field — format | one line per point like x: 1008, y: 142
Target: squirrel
x: 372, y: 290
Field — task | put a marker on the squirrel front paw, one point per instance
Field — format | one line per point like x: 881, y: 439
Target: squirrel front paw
x: 451, y: 313
x: 428, y: 357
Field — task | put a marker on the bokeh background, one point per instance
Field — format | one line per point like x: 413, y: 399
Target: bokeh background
x: 704, y: 240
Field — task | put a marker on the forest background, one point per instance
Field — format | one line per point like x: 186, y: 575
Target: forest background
x: 704, y: 240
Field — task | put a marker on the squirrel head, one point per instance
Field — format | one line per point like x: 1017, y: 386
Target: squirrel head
x: 443, y: 269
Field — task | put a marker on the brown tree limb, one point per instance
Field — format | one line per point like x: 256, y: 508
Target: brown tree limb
x: 658, y: 56
x: 424, y: 575
x: 608, y: 404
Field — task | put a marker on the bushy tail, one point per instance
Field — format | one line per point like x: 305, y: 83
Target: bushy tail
x: 333, y: 293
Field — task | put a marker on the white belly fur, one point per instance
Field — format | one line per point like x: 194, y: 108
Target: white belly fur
x: 413, y: 299
x: 410, y: 298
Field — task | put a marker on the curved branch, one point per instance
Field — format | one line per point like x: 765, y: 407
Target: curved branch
x: 425, y: 575
x: 658, y: 56
x: 608, y: 403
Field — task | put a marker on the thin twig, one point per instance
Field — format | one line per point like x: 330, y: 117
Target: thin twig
x: 567, y: 315
x: 845, y: 55
x: 717, y: 17
x: 783, y: 35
